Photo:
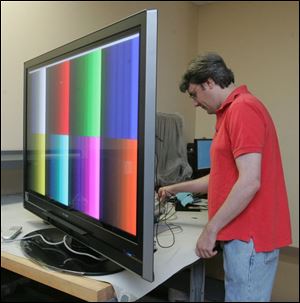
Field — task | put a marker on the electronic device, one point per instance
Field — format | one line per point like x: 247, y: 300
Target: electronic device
x: 11, y: 233
x: 202, y: 157
x: 89, y: 138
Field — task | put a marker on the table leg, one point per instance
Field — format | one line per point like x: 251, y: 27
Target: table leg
x: 197, y: 281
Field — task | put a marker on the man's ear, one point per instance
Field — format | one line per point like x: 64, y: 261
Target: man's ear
x: 210, y: 83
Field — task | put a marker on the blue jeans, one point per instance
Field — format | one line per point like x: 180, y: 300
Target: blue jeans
x: 249, y: 276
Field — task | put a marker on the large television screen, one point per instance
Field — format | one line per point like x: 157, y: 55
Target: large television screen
x: 89, y: 131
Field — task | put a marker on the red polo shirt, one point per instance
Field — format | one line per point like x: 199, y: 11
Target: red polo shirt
x: 245, y: 126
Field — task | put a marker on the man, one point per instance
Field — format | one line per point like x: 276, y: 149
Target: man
x: 247, y: 199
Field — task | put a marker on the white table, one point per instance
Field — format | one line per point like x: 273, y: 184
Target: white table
x: 125, y: 285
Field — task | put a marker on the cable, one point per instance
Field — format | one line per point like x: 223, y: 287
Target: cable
x: 171, y: 227
x: 36, y: 235
x: 81, y: 253
x: 58, y: 243
x: 172, y: 200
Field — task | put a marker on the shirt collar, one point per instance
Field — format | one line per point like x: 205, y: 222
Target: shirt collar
x: 235, y: 93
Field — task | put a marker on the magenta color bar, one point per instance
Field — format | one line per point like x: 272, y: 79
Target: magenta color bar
x: 85, y: 175
x: 92, y: 180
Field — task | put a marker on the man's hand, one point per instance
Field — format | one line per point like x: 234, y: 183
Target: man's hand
x: 193, y: 186
x: 164, y: 192
x: 206, y: 243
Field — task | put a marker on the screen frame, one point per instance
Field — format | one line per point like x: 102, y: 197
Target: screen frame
x: 135, y: 254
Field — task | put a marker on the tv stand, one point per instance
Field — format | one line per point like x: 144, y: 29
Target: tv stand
x: 59, y: 258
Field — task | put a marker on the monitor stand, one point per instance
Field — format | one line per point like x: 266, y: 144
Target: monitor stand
x: 58, y: 257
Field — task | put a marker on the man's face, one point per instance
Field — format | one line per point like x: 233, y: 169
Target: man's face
x: 204, y: 96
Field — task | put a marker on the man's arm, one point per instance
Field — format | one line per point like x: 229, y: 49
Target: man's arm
x: 246, y: 186
x: 194, y: 186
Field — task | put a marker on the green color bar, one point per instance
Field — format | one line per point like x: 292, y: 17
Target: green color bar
x: 85, y: 92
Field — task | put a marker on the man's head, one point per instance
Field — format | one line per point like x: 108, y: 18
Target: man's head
x: 208, y: 81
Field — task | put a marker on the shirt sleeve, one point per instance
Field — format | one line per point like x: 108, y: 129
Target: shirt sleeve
x: 246, y: 128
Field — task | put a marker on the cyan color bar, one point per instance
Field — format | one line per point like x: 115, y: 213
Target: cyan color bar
x: 57, y: 163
